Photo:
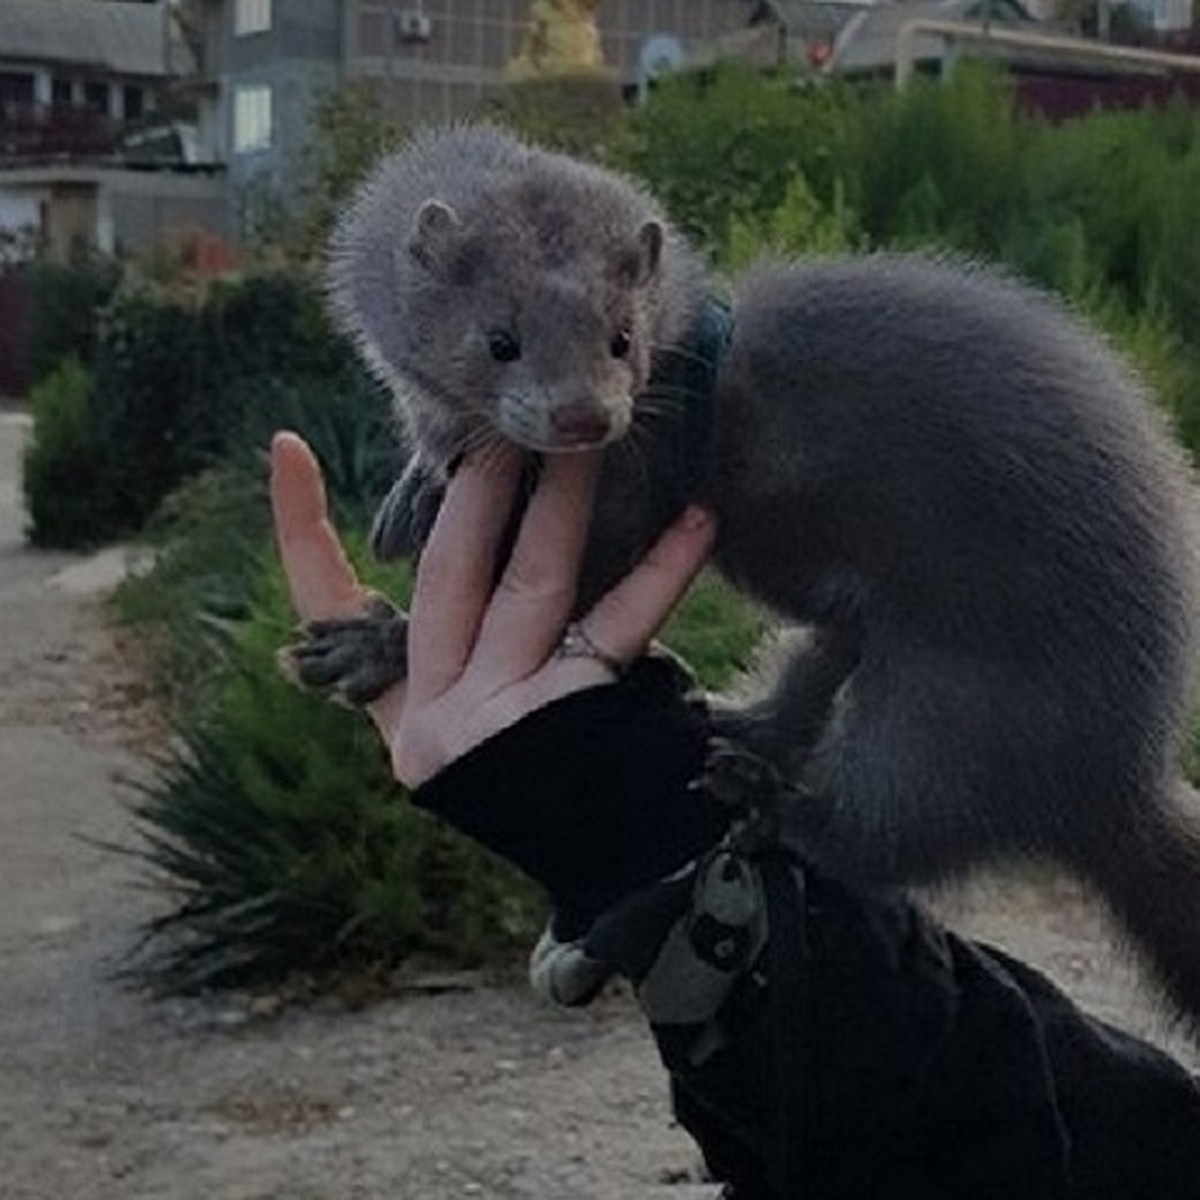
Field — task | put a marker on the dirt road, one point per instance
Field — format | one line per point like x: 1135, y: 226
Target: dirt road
x: 107, y: 1096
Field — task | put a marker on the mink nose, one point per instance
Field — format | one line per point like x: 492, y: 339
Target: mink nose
x: 580, y: 424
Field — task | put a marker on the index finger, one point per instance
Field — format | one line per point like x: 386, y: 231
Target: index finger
x: 457, y: 569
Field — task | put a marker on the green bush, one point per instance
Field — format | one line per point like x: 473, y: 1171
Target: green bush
x: 801, y: 225
x: 276, y: 829
x: 938, y: 163
x: 68, y: 302
x: 727, y: 145
x: 180, y: 381
x: 1100, y: 209
x: 207, y: 538
x: 204, y: 546
x: 176, y: 379
x: 60, y: 475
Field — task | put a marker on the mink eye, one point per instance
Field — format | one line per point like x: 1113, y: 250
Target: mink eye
x: 504, y: 347
x: 621, y: 344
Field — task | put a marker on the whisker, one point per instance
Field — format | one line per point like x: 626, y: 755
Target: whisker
x: 661, y: 409
x: 671, y: 389
x: 677, y: 351
x: 479, y: 439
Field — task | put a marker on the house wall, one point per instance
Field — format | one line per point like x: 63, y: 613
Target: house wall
x: 315, y: 46
x: 299, y: 59
x: 110, y: 209
x: 142, y: 220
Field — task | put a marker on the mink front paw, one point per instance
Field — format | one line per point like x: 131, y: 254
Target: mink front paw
x: 352, y: 661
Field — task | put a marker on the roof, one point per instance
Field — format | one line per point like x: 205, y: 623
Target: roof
x: 868, y: 42
x: 116, y: 36
x: 813, y: 19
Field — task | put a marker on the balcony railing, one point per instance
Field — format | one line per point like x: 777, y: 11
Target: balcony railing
x: 43, y: 132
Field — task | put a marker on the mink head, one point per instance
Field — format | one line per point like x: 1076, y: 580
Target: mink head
x: 520, y: 298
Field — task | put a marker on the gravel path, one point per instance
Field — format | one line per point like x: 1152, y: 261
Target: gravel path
x: 476, y: 1092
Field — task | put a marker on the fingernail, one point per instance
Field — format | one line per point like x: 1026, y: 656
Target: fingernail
x: 694, y: 517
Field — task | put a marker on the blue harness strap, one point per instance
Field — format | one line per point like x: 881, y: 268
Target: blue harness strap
x: 690, y: 370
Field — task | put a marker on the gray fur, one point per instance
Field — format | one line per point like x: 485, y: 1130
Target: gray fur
x: 959, y: 485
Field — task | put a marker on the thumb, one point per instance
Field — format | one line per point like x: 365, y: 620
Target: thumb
x: 321, y: 581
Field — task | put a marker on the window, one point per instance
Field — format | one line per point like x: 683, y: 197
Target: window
x: 16, y: 86
x: 60, y: 92
x: 251, y: 118
x: 251, y: 16
x: 95, y: 98
x: 135, y: 102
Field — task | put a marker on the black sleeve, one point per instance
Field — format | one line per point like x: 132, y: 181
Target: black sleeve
x: 913, y: 1062
x: 589, y: 796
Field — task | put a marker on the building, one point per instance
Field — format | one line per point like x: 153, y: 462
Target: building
x: 869, y: 43
x: 89, y: 154
x: 263, y: 64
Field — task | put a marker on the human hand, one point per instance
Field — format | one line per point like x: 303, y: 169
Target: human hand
x: 482, y: 656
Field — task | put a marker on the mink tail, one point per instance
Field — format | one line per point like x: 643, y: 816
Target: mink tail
x: 1151, y: 880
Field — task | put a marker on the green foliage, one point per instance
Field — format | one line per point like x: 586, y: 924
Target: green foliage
x: 350, y: 131
x: 1100, y: 209
x: 205, y: 545
x: 207, y: 538
x: 801, y: 225
x: 728, y: 144
x: 715, y: 631
x: 60, y: 477
x: 179, y: 380
x: 67, y: 304
x: 581, y: 115
x: 277, y: 830
x: 1123, y: 181
x: 938, y: 162
x: 345, y: 417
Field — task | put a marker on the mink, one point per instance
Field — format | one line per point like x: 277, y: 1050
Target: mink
x: 960, y: 497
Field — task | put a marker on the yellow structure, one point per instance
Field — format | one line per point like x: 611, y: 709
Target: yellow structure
x: 561, y: 39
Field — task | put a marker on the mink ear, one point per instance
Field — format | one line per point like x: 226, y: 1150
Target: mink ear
x: 650, y: 244
x: 435, y: 236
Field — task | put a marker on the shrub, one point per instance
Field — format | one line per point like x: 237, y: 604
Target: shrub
x: 938, y: 162
x: 800, y: 225
x: 68, y: 301
x: 578, y: 115
x: 181, y: 378
x: 286, y: 847
x: 60, y: 477
x: 350, y: 131
x: 207, y: 537
x: 727, y: 144
x: 205, y: 544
